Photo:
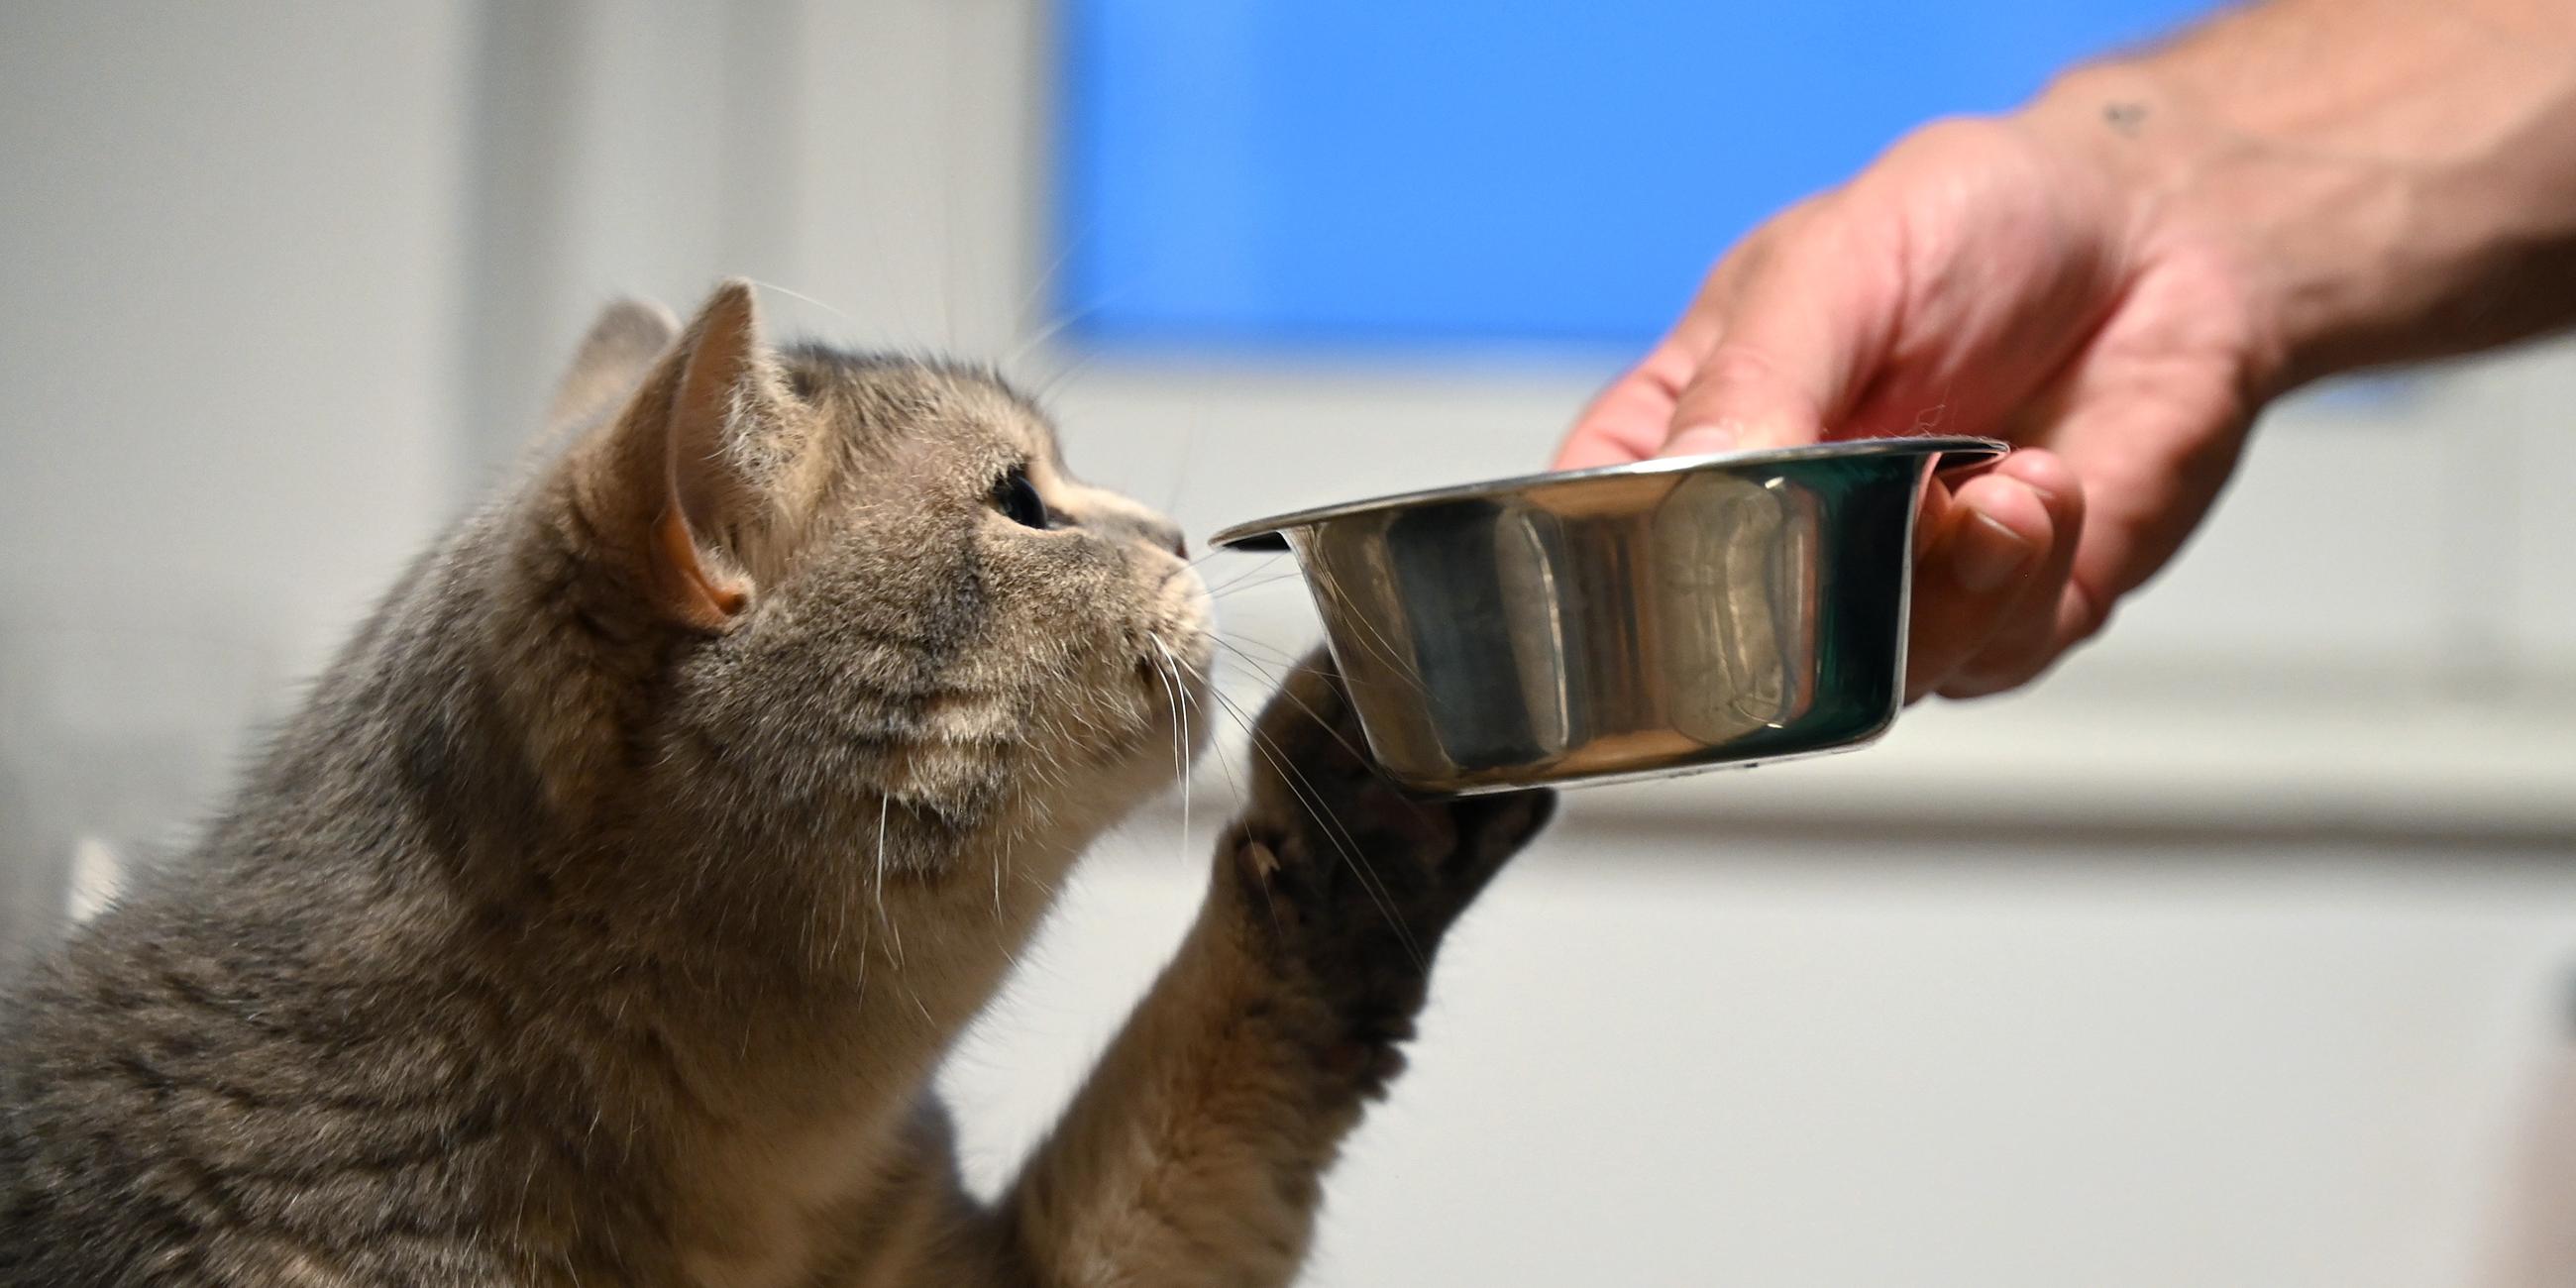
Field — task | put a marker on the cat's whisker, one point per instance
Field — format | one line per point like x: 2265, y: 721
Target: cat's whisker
x: 1221, y: 552
x: 1172, y: 687
x: 1263, y: 561
x: 1207, y: 683
x: 1058, y: 380
x: 894, y: 936
x: 1232, y: 710
x: 1284, y: 654
x: 1258, y: 669
x: 1285, y: 661
x: 1375, y: 641
x: 1028, y: 310
x: 1276, y: 672
x: 1343, y: 842
x: 1290, y: 693
x: 1070, y: 319
x: 1246, y: 575
x: 1239, y: 587
x: 1181, y: 747
x: 1347, y: 845
x: 861, y: 983
x: 800, y: 295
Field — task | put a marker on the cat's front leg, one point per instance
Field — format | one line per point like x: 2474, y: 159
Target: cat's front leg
x: 1195, y: 1153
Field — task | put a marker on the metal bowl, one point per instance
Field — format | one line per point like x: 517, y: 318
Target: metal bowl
x: 1630, y: 621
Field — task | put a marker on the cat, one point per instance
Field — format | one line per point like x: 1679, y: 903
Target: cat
x: 605, y: 913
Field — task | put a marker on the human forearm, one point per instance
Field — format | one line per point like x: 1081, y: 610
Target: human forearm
x: 2391, y: 180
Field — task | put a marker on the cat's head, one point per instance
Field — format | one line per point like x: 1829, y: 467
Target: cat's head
x: 801, y: 595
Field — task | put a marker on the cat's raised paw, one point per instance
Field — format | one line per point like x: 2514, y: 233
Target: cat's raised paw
x: 1351, y: 875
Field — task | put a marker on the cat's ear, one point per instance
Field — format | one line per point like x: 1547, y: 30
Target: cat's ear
x: 613, y: 359
x: 684, y: 476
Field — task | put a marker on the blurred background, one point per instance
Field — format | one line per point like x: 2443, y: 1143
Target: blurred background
x: 2242, y: 951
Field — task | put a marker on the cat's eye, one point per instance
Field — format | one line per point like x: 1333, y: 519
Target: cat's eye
x: 1018, y: 500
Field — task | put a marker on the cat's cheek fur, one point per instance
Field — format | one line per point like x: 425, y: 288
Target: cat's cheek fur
x: 1111, y: 646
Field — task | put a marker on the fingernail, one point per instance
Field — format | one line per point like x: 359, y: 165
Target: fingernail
x: 1701, y: 440
x: 1986, y: 554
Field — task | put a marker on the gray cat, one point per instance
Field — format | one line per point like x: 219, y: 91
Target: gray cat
x: 604, y: 915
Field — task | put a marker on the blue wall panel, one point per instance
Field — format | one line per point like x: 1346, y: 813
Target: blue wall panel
x: 1344, y: 173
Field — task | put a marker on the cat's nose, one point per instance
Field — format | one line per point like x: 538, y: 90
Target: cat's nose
x: 1168, y: 536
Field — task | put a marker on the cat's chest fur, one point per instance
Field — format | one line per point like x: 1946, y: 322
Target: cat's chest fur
x: 770, y: 1205
x: 808, y: 1176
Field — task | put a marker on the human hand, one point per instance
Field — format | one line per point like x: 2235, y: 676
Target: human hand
x: 2004, y: 277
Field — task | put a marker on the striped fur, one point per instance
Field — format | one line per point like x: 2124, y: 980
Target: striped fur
x: 607, y: 910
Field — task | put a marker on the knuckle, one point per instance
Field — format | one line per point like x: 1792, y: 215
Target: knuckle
x: 1732, y: 368
x: 2018, y: 657
x: 2082, y: 615
x: 1962, y: 145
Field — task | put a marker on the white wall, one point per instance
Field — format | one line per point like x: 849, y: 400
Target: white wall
x: 1659, y: 1056
x: 2235, y: 954
x: 227, y: 381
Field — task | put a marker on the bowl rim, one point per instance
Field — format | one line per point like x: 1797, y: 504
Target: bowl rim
x: 1984, y: 450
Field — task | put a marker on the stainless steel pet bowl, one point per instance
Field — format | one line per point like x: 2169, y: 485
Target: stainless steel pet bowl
x: 1629, y: 621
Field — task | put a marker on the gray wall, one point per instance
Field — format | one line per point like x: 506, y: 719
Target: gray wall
x: 2237, y: 953
x: 231, y: 281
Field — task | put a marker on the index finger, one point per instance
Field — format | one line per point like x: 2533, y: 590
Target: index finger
x: 1630, y: 419
x: 1808, y: 330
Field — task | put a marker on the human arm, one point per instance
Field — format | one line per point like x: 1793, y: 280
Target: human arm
x: 2120, y: 275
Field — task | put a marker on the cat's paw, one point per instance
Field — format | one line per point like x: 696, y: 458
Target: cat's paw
x: 1350, y: 878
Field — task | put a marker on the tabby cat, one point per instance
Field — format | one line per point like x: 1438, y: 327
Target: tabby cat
x: 604, y: 915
